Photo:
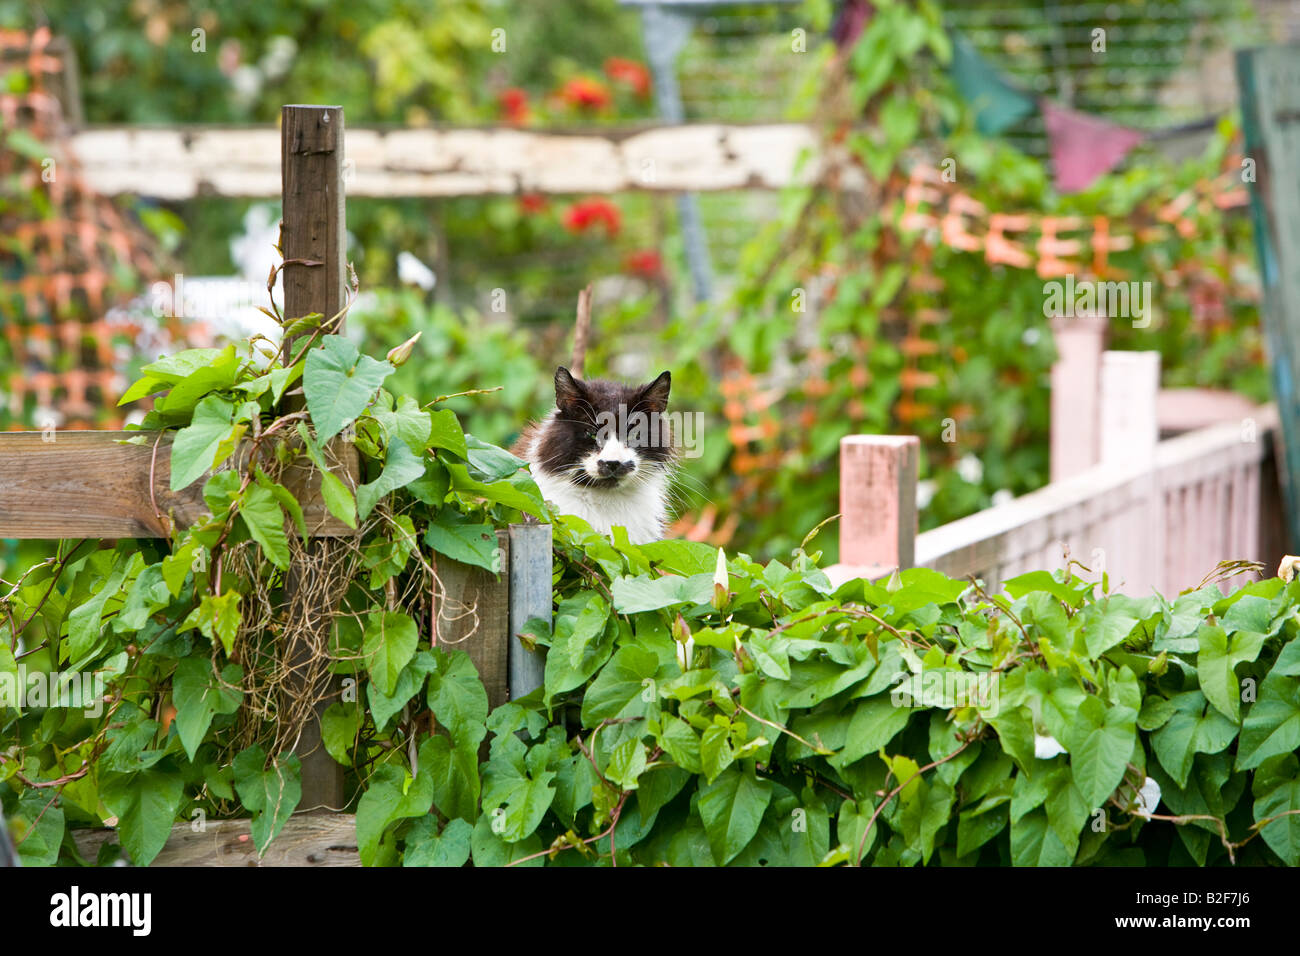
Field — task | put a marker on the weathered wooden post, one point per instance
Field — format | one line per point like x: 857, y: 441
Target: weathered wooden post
x: 530, y: 596
x: 1075, y: 445
x: 877, y: 505
x: 314, y: 229
x: 1127, y: 424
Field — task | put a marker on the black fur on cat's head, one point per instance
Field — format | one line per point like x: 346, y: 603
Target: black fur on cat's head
x: 606, y: 433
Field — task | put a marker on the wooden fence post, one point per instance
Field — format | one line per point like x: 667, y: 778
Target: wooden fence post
x: 1129, y: 430
x: 878, y: 501
x: 314, y: 228
x: 530, y: 596
x: 1075, y: 382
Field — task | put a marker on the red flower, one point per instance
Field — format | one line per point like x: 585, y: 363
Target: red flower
x: 532, y: 203
x: 645, y: 263
x: 514, y: 105
x: 587, y: 213
x: 585, y: 93
x: 629, y: 73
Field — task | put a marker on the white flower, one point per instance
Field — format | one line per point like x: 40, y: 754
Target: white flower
x: 414, y: 272
x: 1045, y: 748
x: 971, y: 469
x: 685, y: 651
x: 1148, y: 798
x: 1031, y: 336
x: 924, y: 493
x: 1002, y: 496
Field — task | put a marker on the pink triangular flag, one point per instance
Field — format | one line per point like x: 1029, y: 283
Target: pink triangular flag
x: 1084, y: 147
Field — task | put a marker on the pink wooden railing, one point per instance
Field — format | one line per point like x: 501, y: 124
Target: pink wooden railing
x: 1152, y: 514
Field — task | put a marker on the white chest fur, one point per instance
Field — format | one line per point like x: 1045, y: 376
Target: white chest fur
x: 639, y: 506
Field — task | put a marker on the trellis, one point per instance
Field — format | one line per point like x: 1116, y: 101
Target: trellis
x: 89, y: 484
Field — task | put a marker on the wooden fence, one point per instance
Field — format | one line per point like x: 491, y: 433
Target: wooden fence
x: 84, y: 484
x: 1150, y: 513
x: 181, y: 162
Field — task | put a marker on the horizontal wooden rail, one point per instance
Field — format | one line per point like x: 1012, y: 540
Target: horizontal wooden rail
x: 180, y: 162
x: 1162, y: 522
x: 308, y: 839
x: 85, y: 484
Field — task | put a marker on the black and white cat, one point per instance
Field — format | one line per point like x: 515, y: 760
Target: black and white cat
x: 606, y: 454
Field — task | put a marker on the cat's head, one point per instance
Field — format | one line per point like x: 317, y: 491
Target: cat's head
x: 606, y: 434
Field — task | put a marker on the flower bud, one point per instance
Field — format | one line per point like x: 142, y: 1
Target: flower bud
x: 721, y: 582
x: 399, y: 354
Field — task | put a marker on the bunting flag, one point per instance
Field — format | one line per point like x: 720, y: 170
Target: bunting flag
x: 1084, y: 147
x: 999, y: 104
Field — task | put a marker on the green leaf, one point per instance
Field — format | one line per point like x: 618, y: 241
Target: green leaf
x: 1277, y: 794
x: 391, y: 794
x: 457, y: 697
x: 270, y: 794
x: 401, y: 466
x: 339, y: 726
x: 409, y: 683
x: 875, y: 722
x: 1272, y: 724
x: 1100, y: 742
x: 488, y: 462
x: 199, y: 695
x: 388, y: 643
x: 445, y: 432
x: 626, y: 764
x: 516, y: 792
x: 145, y: 805
x: 619, y: 688
x: 84, y: 621
x: 218, y: 375
x: 424, y: 847
x: 644, y: 593
x: 217, y: 617
x: 732, y: 808
x: 459, y: 538
x: 339, y: 383
x: 197, y: 447
x: 1215, y: 665
x: 261, y: 514
x: 1194, y: 727
x: 454, y: 774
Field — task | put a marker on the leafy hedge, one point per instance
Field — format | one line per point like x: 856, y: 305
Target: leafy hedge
x: 698, y: 708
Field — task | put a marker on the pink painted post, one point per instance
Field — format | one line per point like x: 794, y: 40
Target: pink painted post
x: 878, y: 502
x: 1128, y: 420
x: 1076, y: 376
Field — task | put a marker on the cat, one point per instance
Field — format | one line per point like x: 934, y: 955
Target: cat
x: 605, y: 453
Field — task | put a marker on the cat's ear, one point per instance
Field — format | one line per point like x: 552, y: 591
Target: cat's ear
x: 568, y: 390
x: 655, y: 395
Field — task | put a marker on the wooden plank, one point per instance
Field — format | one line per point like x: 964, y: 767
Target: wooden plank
x: 314, y: 229
x: 1128, y: 431
x: 180, y: 162
x: 85, y: 484
x: 1075, y: 386
x: 530, y: 596
x: 1164, y: 497
x: 472, y: 614
x: 308, y: 839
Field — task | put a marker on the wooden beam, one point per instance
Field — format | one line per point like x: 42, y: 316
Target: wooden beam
x: 314, y: 229
x: 86, y: 484
x: 180, y: 162
x: 472, y: 614
x: 530, y: 596
x: 308, y: 839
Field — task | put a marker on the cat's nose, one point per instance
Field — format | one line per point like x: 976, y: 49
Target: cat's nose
x: 614, y: 469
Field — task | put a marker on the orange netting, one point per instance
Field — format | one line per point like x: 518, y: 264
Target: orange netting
x: 69, y: 260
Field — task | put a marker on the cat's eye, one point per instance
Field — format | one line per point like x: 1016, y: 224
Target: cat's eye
x: 591, y: 436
